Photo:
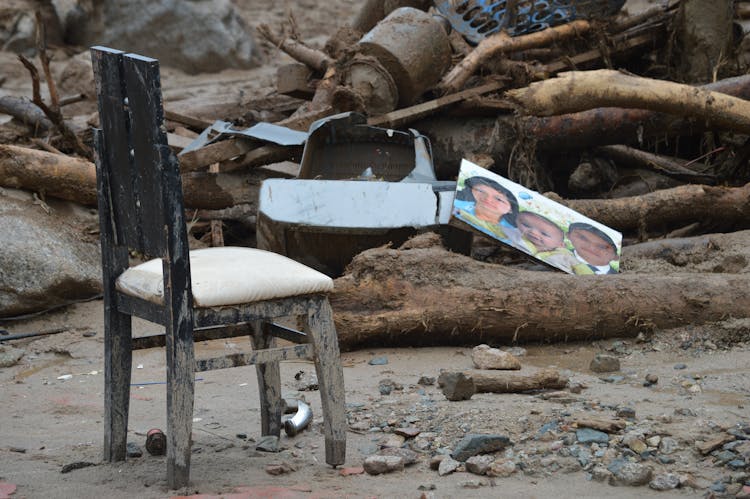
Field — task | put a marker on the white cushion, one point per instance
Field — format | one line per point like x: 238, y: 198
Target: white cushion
x: 229, y: 276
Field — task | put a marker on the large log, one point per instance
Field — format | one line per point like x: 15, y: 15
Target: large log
x: 516, y: 381
x: 428, y: 296
x: 582, y: 90
x: 74, y: 179
x: 727, y: 208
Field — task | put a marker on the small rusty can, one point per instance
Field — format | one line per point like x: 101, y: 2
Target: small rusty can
x: 156, y: 442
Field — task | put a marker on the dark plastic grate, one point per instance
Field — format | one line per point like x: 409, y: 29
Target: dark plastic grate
x: 477, y: 19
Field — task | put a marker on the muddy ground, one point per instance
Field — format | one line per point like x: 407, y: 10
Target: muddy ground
x: 52, y: 402
x: 52, y: 417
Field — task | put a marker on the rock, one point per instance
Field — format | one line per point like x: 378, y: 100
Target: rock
x: 479, y: 464
x: 429, y: 486
x: 588, y: 435
x: 378, y: 361
x: 407, y: 432
x: 473, y: 484
x: 386, y: 386
x: 501, y: 468
x: 221, y: 39
x: 134, y: 450
x: 485, y: 357
x: 306, y: 382
x: 625, y: 412
x: 634, y: 441
x: 665, y: 481
x: 46, y: 260
x: 473, y: 444
x: 652, y: 379
x: 625, y: 472
x: 744, y: 493
x: 10, y: 356
x: 600, y: 473
x: 426, y: 381
x: 603, y: 363
x: 653, y: 441
x: 456, y: 386
x: 447, y: 466
x: 708, y: 446
x: 268, y: 443
x: 409, y: 456
x: 376, y: 464
x: 279, y: 468
x: 680, y: 366
x: 394, y: 440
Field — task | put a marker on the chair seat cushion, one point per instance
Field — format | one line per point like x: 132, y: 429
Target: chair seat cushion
x: 229, y: 276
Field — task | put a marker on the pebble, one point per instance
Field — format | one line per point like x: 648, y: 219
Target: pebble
x: 386, y: 386
x: 625, y: 472
x: 10, y: 356
x: 279, y: 468
x: 680, y: 366
x: 378, y: 361
x: 653, y: 441
x: 625, y: 412
x: 410, y: 432
x: 426, y: 381
x: 268, y: 443
x: 473, y: 484
x: 447, y: 466
x: 588, y: 435
x: 456, y: 386
x: 665, y: 481
x: 479, y: 465
x: 429, y: 486
x: 502, y: 468
x: 394, y: 441
x: 474, y: 443
x: 409, y: 456
x: 376, y: 464
x: 134, y: 450
x: 600, y: 473
x: 603, y: 363
x: 652, y: 379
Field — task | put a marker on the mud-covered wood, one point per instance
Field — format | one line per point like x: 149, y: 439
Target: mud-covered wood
x: 430, y: 296
x: 262, y: 355
x: 132, y: 149
x: 495, y: 381
x: 319, y: 326
x: 117, y: 325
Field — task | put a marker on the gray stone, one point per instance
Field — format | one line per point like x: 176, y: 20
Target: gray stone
x: 625, y: 472
x: 485, y: 357
x: 268, y: 443
x: 134, y: 450
x: 473, y: 444
x: 603, y: 363
x: 600, y: 473
x: 378, y: 361
x: 447, y: 466
x: 479, y: 464
x: 10, y: 356
x: 409, y: 456
x: 306, y: 382
x: 680, y: 366
x: 193, y: 35
x: 47, y: 260
x: 376, y: 465
x: 456, y: 386
x: 589, y: 435
x: 626, y: 412
x: 652, y: 379
x: 665, y: 481
x: 426, y: 380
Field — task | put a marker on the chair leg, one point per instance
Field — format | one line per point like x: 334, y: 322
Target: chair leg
x: 118, y: 360
x: 180, y: 396
x: 269, y: 383
x: 325, y: 344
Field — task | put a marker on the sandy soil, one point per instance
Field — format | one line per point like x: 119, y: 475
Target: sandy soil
x: 48, y: 421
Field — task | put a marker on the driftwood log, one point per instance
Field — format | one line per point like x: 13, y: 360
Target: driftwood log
x: 492, y: 381
x: 74, y: 179
x: 582, y: 90
x: 426, y: 295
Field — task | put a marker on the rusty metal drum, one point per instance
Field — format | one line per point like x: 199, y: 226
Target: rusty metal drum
x: 413, y: 47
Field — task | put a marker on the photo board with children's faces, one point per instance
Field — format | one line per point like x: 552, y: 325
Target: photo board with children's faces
x: 538, y: 226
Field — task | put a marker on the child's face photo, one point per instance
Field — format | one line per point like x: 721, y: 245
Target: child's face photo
x: 544, y: 235
x: 491, y: 204
x: 591, y: 247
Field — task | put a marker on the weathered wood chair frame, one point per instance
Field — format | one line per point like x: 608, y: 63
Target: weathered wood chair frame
x: 141, y: 208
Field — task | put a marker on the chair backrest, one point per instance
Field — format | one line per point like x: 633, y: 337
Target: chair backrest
x: 137, y: 174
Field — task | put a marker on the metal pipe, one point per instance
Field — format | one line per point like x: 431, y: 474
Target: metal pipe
x: 300, y: 420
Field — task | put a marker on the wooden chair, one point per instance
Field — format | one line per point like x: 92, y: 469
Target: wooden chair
x: 243, y: 290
